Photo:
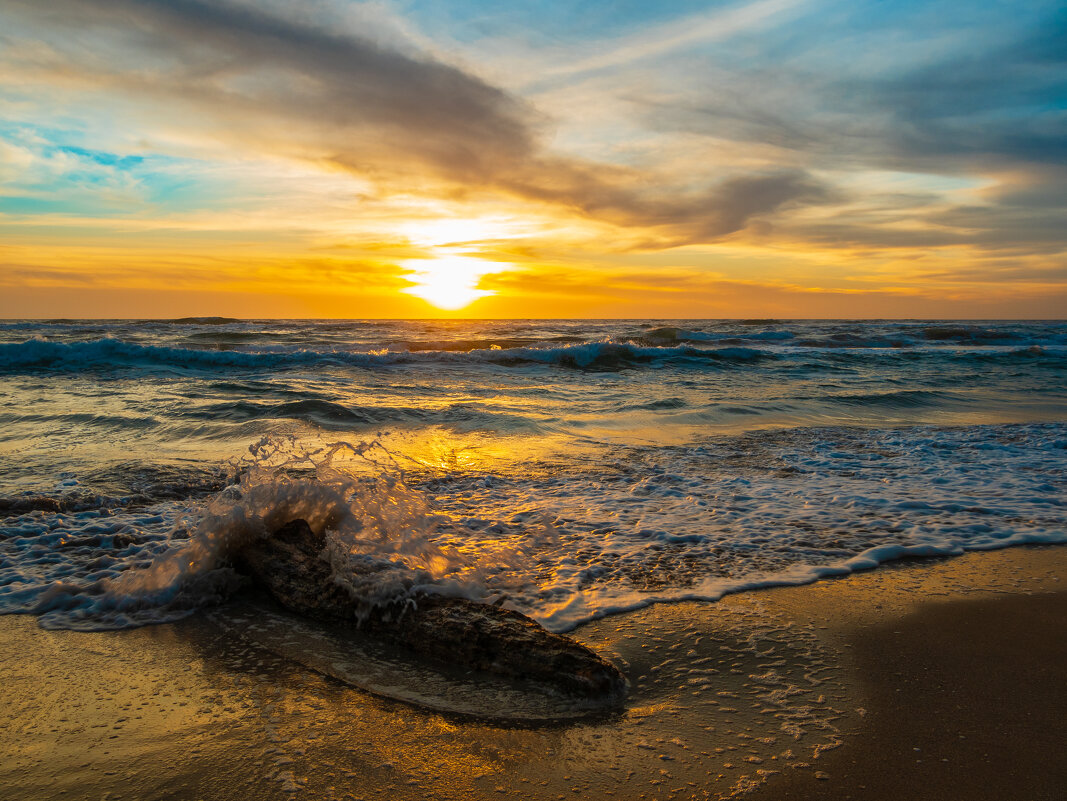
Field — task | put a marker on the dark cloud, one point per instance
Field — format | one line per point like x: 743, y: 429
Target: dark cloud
x: 272, y: 79
x: 980, y: 227
x: 287, y: 85
x: 1044, y: 187
x: 740, y: 199
x: 970, y: 113
x: 682, y: 217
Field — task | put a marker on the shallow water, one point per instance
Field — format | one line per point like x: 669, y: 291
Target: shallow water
x: 574, y: 468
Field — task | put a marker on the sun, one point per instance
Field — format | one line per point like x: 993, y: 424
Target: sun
x: 448, y: 275
x: 450, y: 282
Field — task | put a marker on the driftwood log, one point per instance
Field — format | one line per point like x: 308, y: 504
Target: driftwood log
x: 291, y: 567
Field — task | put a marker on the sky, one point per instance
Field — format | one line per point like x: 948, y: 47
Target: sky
x: 566, y: 158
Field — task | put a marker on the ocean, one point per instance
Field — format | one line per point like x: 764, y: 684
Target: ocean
x: 570, y: 469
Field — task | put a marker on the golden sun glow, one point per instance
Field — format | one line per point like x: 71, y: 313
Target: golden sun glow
x: 450, y: 282
x: 452, y: 232
x: 449, y: 278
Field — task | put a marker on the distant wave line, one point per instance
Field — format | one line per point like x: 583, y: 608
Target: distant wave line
x: 37, y: 354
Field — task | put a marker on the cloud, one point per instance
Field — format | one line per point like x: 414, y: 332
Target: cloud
x: 679, y: 34
x: 739, y: 127
x: 290, y: 84
x: 965, y: 95
x: 624, y: 198
x: 1004, y: 103
x: 918, y: 92
x: 279, y: 84
x: 679, y: 293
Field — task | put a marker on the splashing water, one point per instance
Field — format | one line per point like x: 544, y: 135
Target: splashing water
x: 380, y: 541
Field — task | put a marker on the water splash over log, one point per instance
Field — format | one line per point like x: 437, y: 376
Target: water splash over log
x: 292, y: 566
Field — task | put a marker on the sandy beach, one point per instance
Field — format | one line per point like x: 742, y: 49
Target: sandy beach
x: 924, y: 679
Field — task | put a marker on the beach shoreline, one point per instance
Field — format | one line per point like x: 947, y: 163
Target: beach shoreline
x: 908, y: 656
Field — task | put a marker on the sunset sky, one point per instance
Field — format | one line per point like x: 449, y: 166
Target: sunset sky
x: 578, y: 158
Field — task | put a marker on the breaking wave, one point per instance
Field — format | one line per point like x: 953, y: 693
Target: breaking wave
x: 109, y: 353
x: 160, y: 566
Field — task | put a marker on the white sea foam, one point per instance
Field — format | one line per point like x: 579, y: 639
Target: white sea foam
x: 610, y: 465
x: 773, y: 508
x: 564, y: 545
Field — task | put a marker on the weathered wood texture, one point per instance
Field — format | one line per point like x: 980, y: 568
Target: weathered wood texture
x: 291, y: 566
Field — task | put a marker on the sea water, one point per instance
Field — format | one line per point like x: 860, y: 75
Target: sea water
x: 568, y: 469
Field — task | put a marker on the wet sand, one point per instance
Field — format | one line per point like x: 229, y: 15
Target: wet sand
x: 935, y: 679
x: 978, y: 713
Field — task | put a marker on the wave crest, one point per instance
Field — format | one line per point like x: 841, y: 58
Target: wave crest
x: 381, y: 541
x: 37, y: 354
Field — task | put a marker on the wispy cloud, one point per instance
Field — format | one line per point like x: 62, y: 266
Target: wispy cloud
x: 698, y: 29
